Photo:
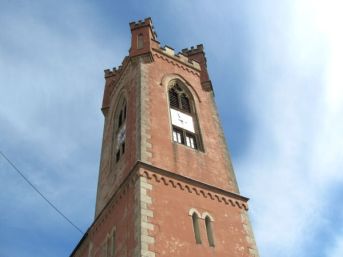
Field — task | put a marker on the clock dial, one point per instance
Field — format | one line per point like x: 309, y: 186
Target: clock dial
x: 182, y: 120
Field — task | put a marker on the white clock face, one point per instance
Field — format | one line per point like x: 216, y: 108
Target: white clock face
x: 182, y: 120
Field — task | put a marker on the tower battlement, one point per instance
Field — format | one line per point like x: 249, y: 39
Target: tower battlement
x: 116, y: 71
x: 169, y: 51
x: 140, y: 24
x: 193, y: 50
x: 111, y: 73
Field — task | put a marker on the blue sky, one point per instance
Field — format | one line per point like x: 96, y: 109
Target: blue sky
x: 276, y: 67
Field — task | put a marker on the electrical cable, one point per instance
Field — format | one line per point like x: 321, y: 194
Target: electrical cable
x: 41, y: 194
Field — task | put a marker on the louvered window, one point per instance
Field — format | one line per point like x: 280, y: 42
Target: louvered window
x: 173, y: 98
x: 179, y: 99
x: 185, y: 103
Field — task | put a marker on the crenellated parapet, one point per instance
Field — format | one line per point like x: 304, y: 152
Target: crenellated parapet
x: 140, y: 24
x: 198, y: 54
x: 111, y: 73
x: 179, y: 57
x: 112, y: 77
x: 193, y: 50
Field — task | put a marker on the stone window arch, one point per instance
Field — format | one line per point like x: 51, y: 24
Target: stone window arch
x: 120, y: 128
x: 113, y: 243
x: 196, y: 228
x: 108, y: 246
x: 185, y: 128
x: 90, y: 249
x: 195, y: 222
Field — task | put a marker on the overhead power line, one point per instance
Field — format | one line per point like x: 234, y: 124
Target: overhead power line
x: 40, y: 193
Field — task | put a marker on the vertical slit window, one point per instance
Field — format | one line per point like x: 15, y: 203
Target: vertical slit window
x: 209, y: 231
x: 196, y: 228
x: 113, y: 240
x: 108, y: 249
x: 118, y: 156
x: 140, y: 42
x: 123, y: 148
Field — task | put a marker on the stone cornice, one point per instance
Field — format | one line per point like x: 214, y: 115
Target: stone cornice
x: 174, y: 180
x: 192, y: 186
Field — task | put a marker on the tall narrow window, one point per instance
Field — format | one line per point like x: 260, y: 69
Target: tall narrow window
x: 90, y: 249
x: 209, y: 231
x: 108, y: 247
x: 120, y: 130
x: 183, y: 117
x: 196, y: 229
x: 113, y: 246
x: 140, y: 42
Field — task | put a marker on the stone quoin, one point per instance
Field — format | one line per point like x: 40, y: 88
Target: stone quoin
x: 166, y: 184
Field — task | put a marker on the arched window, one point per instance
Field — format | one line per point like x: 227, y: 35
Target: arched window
x: 120, y: 129
x: 183, y: 116
x: 196, y: 229
x: 209, y: 231
x: 113, y: 240
x: 108, y: 247
x: 90, y: 249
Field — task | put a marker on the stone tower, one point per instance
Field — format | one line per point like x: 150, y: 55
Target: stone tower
x: 166, y: 184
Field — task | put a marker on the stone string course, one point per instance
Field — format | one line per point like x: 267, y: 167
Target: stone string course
x: 194, y: 189
x: 139, y: 180
x: 148, y: 175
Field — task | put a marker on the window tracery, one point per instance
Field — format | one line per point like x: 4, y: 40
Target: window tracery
x: 183, y: 116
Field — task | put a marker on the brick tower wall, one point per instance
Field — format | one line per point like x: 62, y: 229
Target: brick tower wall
x: 212, y: 165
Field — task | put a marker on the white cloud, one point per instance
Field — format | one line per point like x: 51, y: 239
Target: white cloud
x: 337, y: 248
x: 296, y: 153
